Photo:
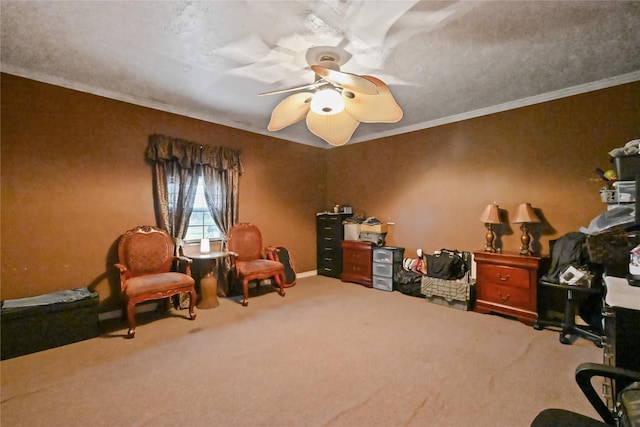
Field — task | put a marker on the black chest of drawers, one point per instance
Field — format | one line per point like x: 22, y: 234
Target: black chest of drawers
x: 330, y: 233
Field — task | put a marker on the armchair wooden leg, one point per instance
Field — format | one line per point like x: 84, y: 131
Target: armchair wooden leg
x: 131, y: 315
x: 245, y: 292
x: 281, y: 291
x: 192, y: 304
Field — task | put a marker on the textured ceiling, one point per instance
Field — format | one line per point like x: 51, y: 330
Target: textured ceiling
x: 444, y: 61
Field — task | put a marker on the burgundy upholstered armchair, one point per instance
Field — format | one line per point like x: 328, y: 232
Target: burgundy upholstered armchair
x: 146, y: 258
x: 247, y: 261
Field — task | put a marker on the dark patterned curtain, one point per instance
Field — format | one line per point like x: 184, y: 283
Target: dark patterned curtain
x: 177, y: 165
x: 221, y: 169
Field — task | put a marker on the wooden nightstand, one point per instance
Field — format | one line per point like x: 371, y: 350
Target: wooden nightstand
x: 506, y: 283
x: 356, y: 262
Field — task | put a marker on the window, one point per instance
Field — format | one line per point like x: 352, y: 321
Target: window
x: 201, y: 224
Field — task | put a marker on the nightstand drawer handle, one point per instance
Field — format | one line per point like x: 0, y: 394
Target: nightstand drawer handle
x: 503, y: 278
x: 504, y: 298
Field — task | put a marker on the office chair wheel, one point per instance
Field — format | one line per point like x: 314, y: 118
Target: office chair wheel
x: 564, y: 339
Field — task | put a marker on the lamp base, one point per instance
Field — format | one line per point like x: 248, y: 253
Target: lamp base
x: 525, y: 251
x: 524, y: 240
x: 490, y: 237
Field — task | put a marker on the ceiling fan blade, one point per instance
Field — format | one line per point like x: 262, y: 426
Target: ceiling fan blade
x: 336, y: 129
x: 314, y: 85
x: 348, y: 81
x: 290, y: 110
x: 381, y: 108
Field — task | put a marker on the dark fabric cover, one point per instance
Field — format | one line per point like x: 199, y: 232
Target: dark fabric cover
x: 38, y: 323
x: 569, y: 249
x: 408, y: 283
x: 562, y: 418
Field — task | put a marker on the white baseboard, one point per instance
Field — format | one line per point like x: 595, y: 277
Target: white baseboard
x: 307, y: 274
x: 143, y: 308
x: 298, y: 276
x: 115, y: 314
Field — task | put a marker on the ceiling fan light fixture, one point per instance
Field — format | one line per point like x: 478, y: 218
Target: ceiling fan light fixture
x: 327, y: 101
x: 339, y: 102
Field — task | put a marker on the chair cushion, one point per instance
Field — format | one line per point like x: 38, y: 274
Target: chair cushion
x: 257, y: 266
x: 157, y: 283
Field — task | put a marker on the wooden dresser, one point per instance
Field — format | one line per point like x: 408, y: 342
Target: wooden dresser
x: 357, y: 262
x: 506, y: 283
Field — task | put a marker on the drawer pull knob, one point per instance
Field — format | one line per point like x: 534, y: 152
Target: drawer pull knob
x: 503, y: 278
x: 505, y: 298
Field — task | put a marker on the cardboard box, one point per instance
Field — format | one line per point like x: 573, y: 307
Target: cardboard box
x: 377, y: 228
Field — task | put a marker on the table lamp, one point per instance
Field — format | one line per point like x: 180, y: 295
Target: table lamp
x: 205, y: 247
x: 525, y: 215
x: 490, y: 217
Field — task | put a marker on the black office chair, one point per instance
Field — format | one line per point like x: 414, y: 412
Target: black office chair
x: 572, y: 293
x: 568, y: 324
x: 628, y: 400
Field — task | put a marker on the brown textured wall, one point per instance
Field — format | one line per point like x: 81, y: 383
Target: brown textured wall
x: 74, y: 178
x: 435, y: 183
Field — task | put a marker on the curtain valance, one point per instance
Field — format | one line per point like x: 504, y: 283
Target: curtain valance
x: 164, y: 148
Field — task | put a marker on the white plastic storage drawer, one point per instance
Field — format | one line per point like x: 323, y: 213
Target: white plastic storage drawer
x: 625, y: 191
x: 383, y: 283
x: 387, y: 254
x: 380, y: 269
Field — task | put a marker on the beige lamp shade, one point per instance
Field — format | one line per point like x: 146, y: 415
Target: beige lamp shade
x: 525, y: 214
x: 491, y: 214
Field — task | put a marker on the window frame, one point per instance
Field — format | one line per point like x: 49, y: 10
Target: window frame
x: 202, y: 210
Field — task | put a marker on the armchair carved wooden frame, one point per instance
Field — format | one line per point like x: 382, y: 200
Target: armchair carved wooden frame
x: 146, y: 259
x: 247, y: 258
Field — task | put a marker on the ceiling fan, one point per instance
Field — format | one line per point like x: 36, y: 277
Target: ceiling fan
x: 336, y: 102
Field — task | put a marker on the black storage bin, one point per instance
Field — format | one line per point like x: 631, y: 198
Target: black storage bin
x: 627, y: 167
x: 38, y: 323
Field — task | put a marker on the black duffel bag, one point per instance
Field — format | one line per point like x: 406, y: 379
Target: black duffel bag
x: 448, y: 265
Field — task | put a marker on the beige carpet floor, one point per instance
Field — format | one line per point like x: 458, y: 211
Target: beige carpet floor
x: 327, y: 354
